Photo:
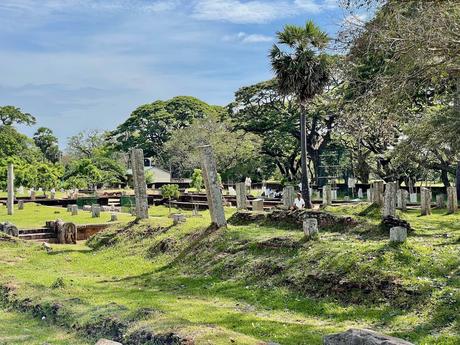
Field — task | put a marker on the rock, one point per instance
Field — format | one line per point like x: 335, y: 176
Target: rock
x: 258, y: 205
x: 107, y: 342
x: 179, y: 218
x: 398, y: 234
x: 362, y: 337
x: 310, y: 227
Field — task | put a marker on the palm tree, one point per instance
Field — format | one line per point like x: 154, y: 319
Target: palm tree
x: 302, y: 72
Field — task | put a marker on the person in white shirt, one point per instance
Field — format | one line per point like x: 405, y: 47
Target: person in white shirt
x: 299, y: 203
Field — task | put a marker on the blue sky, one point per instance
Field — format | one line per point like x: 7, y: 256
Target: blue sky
x: 86, y: 64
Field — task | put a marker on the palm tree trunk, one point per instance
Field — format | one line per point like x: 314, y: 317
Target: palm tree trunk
x: 303, y: 148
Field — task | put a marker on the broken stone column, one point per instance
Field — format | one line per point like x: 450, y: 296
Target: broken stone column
x: 113, y: 217
x: 258, y: 205
x: 327, y: 195
x: 53, y: 194
x: 74, y: 210
x: 440, y: 201
x: 369, y: 194
x: 59, y: 230
x: 402, y: 199
x: 452, y: 202
x: 413, y: 198
x: 32, y: 195
x: 95, y: 211
x: 425, y: 201
x: 310, y: 227
x: 389, y: 207
x: 179, y: 218
x: 377, y: 193
x: 213, y: 191
x: 10, y: 188
x: 360, y: 193
x: 289, y: 195
x: 398, y: 234
x: 20, y: 204
x: 140, y: 188
x: 241, y: 196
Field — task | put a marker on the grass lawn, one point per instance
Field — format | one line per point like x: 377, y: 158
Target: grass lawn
x: 232, y: 288
x: 20, y: 329
x: 35, y: 215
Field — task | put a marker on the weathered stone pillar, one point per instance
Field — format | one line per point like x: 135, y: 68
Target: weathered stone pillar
x: 389, y: 207
x: 20, y: 204
x: 360, y: 193
x: 402, y: 199
x: 327, y: 195
x: 377, y: 193
x: 213, y: 192
x: 140, y: 188
x: 95, y: 211
x: 10, y: 188
x: 113, y: 217
x: 440, y: 201
x: 398, y: 234
x: 413, y: 198
x: 241, y: 196
x: 32, y: 195
x: 288, y: 196
x: 53, y: 195
x: 369, y: 194
x: 258, y: 205
x: 452, y: 203
x: 425, y: 201
x: 74, y: 210
x: 310, y: 227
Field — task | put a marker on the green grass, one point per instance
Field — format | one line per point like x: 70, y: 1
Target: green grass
x: 233, y: 286
x: 19, y: 329
x: 35, y: 215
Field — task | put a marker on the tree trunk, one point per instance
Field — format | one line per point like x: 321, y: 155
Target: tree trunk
x: 457, y: 179
x: 303, y: 148
x: 445, y: 178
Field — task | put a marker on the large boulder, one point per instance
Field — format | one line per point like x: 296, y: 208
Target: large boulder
x: 362, y: 337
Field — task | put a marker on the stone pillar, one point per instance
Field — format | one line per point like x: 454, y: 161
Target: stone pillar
x: 289, y: 196
x: 258, y: 205
x: 53, y: 195
x: 32, y: 195
x: 398, y: 234
x: 74, y: 210
x: 310, y: 227
x: 360, y: 193
x: 425, y: 197
x: 69, y: 233
x: 377, y: 193
x: 389, y: 207
x: 20, y: 204
x: 113, y: 217
x: 452, y: 203
x: 140, y: 188
x: 369, y: 194
x: 241, y: 196
x: 10, y: 187
x: 211, y: 182
x: 402, y: 199
x: 413, y: 198
x: 440, y: 201
x: 327, y: 195
x: 95, y: 211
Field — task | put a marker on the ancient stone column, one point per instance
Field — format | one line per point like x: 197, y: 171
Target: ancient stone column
x: 140, y: 188
x: 377, y: 193
x: 369, y: 194
x: 389, y: 207
x: 74, y: 210
x: 452, y: 203
x: 241, y: 196
x: 32, y: 195
x: 95, y: 211
x: 310, y: 227
x: 113, y: 217
x: 398, y: 234
x: 327, y: 195
x: 213, y: 191
x: 440, y: 201
x: 402, y: 199
x: 413, y: 198
x: 10, y: 187
x: 360, y: 193
x: 20, y: 204
x: 258, y: 205
x: 425, y: 201
x: 288, y: 196
x: 53, y: 195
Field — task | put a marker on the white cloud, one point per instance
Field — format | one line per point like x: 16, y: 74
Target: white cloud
x: 247, y: 38
x: 256, y: 11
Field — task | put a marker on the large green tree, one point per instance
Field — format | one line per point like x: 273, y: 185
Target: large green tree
x: 150, y: 126
x: 47, y: 142
x: 302, y: 71
x: 10, y: 115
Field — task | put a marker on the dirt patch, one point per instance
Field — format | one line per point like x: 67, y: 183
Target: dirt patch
x: 108, y: 327
x: 164, y: 246
x: 147, y: 337
x: 278, y: 243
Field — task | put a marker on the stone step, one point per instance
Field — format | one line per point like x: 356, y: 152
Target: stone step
x: 32, y: 231
x: 37, y: 236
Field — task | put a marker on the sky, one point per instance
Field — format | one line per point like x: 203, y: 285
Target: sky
x: 87, y: 64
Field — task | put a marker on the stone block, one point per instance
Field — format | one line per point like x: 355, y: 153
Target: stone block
x: 362, y: 337
x: 241, y: 196
x: 113, y: 217
x: 178, y: 218
x: 310, y: 227
x: 74, y: 210
x: 327, y: 195
x: 398, y: 234
x: 425, y: 201
x: 20, y: 204
x: 389, y: 207
x: 289, y: 196
x: 452, y: 202
x: 440, y: 201
x: 258, y: 205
